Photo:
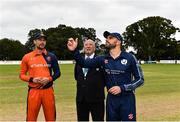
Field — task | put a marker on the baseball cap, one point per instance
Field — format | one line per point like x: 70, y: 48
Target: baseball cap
x: 114, y: 34
x: 38, y: 35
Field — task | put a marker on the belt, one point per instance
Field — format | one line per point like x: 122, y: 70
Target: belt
x: 45, y: 87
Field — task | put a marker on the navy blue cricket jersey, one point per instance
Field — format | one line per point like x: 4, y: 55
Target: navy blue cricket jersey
x: 124, y: 71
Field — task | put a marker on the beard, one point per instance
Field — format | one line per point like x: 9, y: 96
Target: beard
x: 110, y: 46
x: 41, y: 47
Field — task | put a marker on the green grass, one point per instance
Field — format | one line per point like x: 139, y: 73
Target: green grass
x: 158, y: 99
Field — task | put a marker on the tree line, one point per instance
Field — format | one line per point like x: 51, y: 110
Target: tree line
x: 153, y: 38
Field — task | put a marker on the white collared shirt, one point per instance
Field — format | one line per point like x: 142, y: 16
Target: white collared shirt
x: 85, y: 70
x: 91, y: 56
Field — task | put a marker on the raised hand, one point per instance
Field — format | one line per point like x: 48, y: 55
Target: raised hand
x: 72, y: 44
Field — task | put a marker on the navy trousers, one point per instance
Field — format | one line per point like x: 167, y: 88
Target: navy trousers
x: 121, y: 107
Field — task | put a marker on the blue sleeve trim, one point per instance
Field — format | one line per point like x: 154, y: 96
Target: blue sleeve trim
x: 138, y: 76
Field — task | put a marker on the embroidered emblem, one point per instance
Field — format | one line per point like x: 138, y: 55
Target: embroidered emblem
x: 48, y: 58
x: 130, y: 116
x: 124, y: 61
x: 105, y: 61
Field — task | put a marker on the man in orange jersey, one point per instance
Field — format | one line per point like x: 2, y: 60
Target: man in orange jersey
x: 39, y: 64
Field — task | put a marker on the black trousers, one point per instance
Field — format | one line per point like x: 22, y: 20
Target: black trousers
x: 95, y: 108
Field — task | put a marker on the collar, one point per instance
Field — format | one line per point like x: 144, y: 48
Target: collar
x: 123, y: 55
x: 91, y: 56
x: 36, y: 52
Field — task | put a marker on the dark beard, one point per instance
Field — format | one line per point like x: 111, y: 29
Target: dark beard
x: 108, y: 47
x: 39, y: 48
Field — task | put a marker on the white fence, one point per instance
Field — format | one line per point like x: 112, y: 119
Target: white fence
x: 169, y: 61
x: 19, y: 62
x: 161, y: 62
x: 71, y: 62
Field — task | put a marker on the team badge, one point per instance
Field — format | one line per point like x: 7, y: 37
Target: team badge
x: 105, y: 61
x: 130, y: 116
x: 124, y: 61
x: 48, y: 58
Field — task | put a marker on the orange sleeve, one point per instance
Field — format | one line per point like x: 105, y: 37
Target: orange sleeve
x: 23, y: 70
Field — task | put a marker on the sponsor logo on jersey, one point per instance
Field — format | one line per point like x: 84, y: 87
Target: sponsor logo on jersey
x: 40, y: 65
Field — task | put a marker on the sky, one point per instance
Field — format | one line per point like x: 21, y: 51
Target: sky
x: 18, y: 17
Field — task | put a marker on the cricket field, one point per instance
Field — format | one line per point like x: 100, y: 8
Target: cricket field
x: 158, y: 99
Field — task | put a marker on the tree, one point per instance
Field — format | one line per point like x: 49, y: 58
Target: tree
x: 11, y: 49
x: 151, y: 37
x: 57, y: 38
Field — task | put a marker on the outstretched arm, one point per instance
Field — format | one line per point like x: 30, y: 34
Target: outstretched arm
x: 89, y: 63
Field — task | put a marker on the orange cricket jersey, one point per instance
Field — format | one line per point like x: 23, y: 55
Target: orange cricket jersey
x: 35, y: 65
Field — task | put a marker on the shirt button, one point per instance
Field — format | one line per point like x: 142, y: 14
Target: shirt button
x: 83, y: 86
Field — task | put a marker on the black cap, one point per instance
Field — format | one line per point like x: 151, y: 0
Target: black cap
x: 38, y: 35
x: 114, y: 34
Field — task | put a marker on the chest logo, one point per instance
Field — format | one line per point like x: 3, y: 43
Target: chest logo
x: 105, y: 61
x: 124, y: 61
x: 48, y: 58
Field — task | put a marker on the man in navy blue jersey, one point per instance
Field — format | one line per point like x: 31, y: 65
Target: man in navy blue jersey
x: 119, y: 67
